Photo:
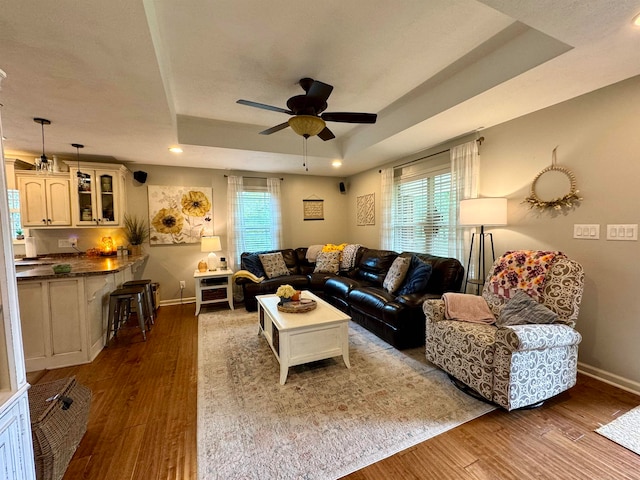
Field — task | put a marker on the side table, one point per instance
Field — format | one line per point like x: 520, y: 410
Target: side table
x: 213, y: 287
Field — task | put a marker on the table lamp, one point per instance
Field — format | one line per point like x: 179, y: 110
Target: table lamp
x: 211, y: 245
x: 482, y: 212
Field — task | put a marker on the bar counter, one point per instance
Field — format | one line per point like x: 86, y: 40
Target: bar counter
x: 81, y: 266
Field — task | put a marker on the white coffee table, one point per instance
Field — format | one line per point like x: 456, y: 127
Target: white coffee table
x: 298, y: 338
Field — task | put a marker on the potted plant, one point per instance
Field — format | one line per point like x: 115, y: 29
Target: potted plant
x: 136, y: 231
x: 19, y: 234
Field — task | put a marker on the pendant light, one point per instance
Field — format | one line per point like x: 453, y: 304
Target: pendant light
x: 81, y: 176
x: 44, y: 165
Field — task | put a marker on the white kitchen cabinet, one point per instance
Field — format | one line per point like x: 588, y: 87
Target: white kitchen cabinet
x: 16, y: 448
x: 53, y: 322
x: 100, y: 199
x: 44, y: 200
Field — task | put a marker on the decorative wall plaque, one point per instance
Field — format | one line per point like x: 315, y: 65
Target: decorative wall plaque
x: 366, y: 209
x: 313, y: 209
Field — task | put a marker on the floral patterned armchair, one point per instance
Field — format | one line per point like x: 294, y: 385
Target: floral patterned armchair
x: 518, y: 365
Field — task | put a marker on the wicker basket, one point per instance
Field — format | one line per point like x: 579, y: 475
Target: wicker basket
x: 57, y: 426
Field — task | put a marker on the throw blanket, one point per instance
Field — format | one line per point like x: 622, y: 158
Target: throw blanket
x: 313, y: 251
x: 522, y: 270
x: 467, y: 308
x: 247, y: 274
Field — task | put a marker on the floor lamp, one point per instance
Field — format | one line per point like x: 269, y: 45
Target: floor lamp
x: 481, y: 212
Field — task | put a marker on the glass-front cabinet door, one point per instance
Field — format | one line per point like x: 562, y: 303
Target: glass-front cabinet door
x: 97, y: 197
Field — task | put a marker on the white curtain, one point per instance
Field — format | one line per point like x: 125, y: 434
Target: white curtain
x: 386, y: 205
x: 235, y: 240
x: 273, y: 187
x: 465, y: 177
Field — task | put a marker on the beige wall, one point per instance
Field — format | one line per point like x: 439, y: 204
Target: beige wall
x: 597, y: 138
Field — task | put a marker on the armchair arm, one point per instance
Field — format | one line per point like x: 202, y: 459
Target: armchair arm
x: 536, y: 337
x: 433, y: 310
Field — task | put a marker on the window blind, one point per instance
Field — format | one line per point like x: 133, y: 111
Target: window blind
x: 421, y: 217
x: 257, y: 221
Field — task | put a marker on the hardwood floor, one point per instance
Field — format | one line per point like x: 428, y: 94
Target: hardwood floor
x: 143, y: 422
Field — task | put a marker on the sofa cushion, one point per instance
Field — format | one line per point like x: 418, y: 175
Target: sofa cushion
x: 521, y: 309
x: 273, y: 264
x: 396, y: 274
x: 374, y: 265
x: 251, y: 262
x: 417, y: 277
x: 327, y: 262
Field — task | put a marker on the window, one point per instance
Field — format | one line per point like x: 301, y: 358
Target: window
x: 257, y: 221
x: 420, y: 210
x: 14, y: 212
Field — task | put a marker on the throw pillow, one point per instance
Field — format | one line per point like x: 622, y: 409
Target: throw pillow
x: 395, y: 275
x: 348, y: 260
x: 252, y: 263
x: 327, y: 262
x: 417, y: 277
x: 273, y: 264
x: 521, y: 309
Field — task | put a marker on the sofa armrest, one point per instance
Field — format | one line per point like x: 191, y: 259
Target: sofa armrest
x: 536, y: 337
x: 433, y: 310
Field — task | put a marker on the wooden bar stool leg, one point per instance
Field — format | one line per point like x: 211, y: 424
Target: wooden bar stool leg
x: 112, y: 313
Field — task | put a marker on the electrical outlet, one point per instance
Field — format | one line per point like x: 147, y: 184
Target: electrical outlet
x: 73, y: 241
x: 182, y: 284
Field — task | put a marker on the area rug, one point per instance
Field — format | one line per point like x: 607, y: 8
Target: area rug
x: 624, y: 430
x: 327, y: 420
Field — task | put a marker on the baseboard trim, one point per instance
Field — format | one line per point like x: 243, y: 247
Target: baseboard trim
x: 610, y: 378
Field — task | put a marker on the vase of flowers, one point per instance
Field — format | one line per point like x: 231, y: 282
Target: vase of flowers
x: 287, y: 293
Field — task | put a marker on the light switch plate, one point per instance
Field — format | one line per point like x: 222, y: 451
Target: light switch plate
x: 586, y: 231
x: 622, y: 232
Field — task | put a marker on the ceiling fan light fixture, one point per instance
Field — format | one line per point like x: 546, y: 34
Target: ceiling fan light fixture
x: 307, y: 125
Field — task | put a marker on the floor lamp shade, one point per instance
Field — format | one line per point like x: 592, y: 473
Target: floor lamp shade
x: 211, y: 245
x: 481, y: 212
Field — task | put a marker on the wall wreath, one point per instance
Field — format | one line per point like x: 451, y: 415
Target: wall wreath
x: 568, y: 201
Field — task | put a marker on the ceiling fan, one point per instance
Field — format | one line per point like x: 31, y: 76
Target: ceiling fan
x: 308, y: 112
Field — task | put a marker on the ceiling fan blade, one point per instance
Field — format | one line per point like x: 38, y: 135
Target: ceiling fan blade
x: 349, y: 117
x: 326, y: 134
x: 320, y: 90
x: 275, y: 129
x: 249, y: 103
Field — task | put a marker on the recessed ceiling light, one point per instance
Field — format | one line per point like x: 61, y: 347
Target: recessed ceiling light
x: 175, y: 149
x: 336, y: 163
x: 636, y: 20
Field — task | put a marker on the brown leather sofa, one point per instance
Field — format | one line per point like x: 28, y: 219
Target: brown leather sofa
x: 397, y: 319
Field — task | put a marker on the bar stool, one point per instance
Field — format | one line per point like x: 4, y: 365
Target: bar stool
x: 120, y: 309
x: 148, y: 295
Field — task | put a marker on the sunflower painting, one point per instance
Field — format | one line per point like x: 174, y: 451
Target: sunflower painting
x: 179, y: 215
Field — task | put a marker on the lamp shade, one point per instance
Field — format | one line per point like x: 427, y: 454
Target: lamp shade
x: 307, y: 125
x: 483, y: 211
x: 210, y: 244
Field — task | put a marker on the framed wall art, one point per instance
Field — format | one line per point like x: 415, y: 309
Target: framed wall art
x: 313, y: 209
x: 366, y: 209
x: 179, y: 215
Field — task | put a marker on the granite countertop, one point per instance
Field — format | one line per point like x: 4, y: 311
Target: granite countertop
x: 81, y: 266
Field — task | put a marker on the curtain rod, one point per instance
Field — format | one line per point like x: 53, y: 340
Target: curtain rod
x: 260, y: 178
x: 479, y: 140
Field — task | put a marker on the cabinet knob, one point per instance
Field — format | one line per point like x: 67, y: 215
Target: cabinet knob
x: 44, y: 220
x: 48, y: 220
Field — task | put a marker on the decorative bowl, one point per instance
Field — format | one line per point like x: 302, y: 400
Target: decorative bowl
x: 62, y: 268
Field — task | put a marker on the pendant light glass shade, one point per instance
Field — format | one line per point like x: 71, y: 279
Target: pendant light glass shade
x: 43, y: 164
